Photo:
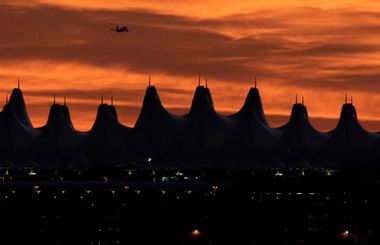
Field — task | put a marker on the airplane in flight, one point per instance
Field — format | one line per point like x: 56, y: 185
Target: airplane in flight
x: 119, y: 29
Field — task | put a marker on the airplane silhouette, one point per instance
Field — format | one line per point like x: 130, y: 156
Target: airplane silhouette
x: 119, y: 29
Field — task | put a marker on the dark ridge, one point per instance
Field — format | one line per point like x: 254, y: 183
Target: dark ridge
x: 106, y: 136
x: 202, y: 101
x: 301, y: 142
x: 209, y: 97
x: 299, y: 114
x: 16, y: 137
x: 253, y: 101
x: 58, y: 141
x: 201, y: 137
x: 113, y: 112
x: 347, y: 115
x: 252, y: 139
x: 205, y: 130
x: 66, y: 115
x: 17, y: 103
x: 350, y: 142
x: 156, y: 129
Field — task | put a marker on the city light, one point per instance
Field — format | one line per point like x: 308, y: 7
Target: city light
x: 346, y: 234
x: 278, y: 173
x: 179, y: 173
x: 32, y: 173
x: 195, y: 233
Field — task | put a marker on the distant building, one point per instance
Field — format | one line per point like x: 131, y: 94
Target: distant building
x: 201, y: 138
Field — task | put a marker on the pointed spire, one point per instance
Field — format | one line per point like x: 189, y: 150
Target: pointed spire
x: 54, y: 99
x: 255, y: 83
x: 112, y: 100
x: 64, y: 100
x: 206, y: 82
x: 101, y: 99
x: 345, y: 99
x: 296, y: 98
x: 199, y: 80
x: 149, y: 82
x: 18, y: 83
x: 302, y: 100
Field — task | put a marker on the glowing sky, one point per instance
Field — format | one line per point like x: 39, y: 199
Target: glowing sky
x: 319, y: 49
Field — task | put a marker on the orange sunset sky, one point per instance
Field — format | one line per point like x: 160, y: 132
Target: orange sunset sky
x: 319, y: 49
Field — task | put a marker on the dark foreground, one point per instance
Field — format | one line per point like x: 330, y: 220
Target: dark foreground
x: 195, y: 207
